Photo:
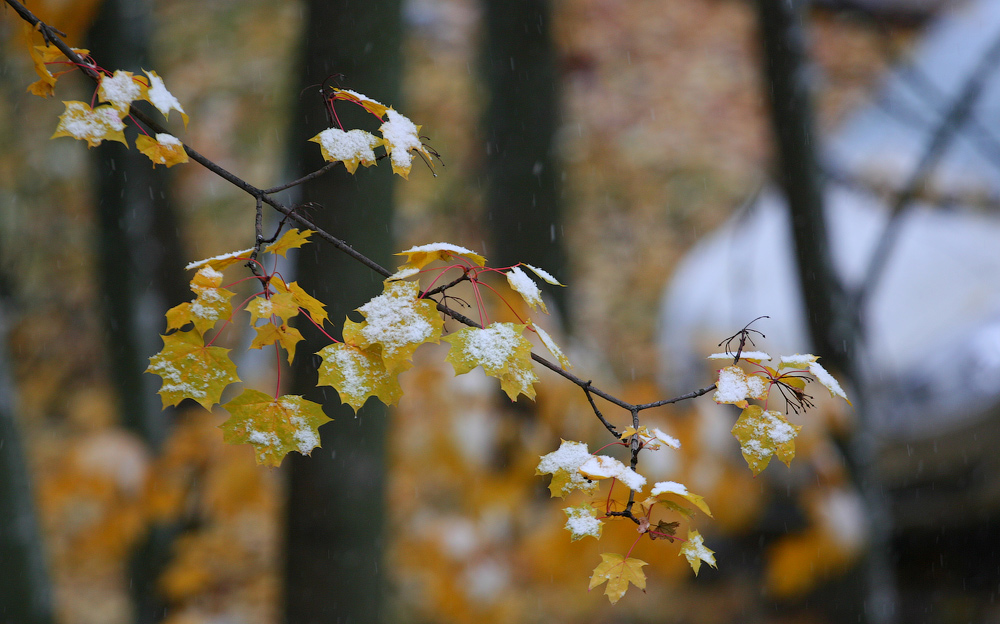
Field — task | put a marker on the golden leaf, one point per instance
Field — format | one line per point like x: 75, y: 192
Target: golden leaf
x: 618, y: 572
x: 273, y: 426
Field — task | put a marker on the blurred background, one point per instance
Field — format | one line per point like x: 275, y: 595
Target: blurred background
x: 683, y: 166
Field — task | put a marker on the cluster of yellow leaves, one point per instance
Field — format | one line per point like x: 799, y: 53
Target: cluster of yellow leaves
x: 573, y: 467
x: 765, y: 433
x: 366, y: 364
x: 400, y: 138
x: 190, y: 369
x: 106, y: 122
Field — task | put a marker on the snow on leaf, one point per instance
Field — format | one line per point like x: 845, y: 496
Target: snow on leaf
x: 618, y: 572
x: 423, y: 255
x: 164, y: 101
x: 190, y: 370
x: 404, y: 271
x: 352, y: 147
x: 92, y: 125
x: 292, y: 239
x: 500, y: 349
x: 222, y: 261
x: 545, y: 275
x: 799, y: 360
x: 552, y: 347
x: 604, y: 467
x: 828, y: 380
x: 582, y: 521
x: 165, y: 149
x: 734, y: 386
x: 281, y: 304
x: 302, y: 299
x: 210, y: 304
x: 273, y: 426
x: 564, y: 466
x: 399, y: 321
x: 286, y: 336
x: 526, y: 287
x: 663, y: 488
x: 120, y: 90
x: 696, y: 551
x: 357, y: 374
x: 762, y: 434
x: 401, y: 137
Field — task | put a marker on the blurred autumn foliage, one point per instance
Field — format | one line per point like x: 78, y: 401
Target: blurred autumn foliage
x: 662, y: 134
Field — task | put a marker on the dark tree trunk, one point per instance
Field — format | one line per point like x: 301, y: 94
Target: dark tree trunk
x: 523, y: 207
x: 25, y: 589
x: 141, y: 273
x: 833, y: 320
x: 334, y: 526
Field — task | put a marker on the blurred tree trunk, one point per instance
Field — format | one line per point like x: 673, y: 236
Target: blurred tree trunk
x: 334, y: 525
x: 523, y: 206
x: 141, y: 273
x: 25, y: 589
x: 833, y: 321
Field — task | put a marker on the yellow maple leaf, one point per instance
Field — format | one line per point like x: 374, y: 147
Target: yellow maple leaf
x: 92, y: 125
x: 564, y: 466
x: 286, y: 336
x: 422, y: 255
x: 281, y: 304
x: 45, y: 85
x: 399, y: 322
x: 302, y: 299
x: 292, y: 239
x: 157, y: 94
x: 164, y: 149
x: 357, y: 374
x: 401, y: 138
x: 273, y: 426
x: 618, y: 572
x: 222, y: 261
x: 210, y: 304
x: 695, y: 551
x: 500, y: 349
x: 374, y: 107
x: 190, y: 370
x: 763, y: 434
x: 120, y: 90
x: 664, y: 488
x: 351, y: 147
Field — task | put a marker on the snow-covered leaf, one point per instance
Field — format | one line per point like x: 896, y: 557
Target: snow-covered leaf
x: 351, y: 147
x: 422, y: 255
x: 564, y: 466
x: 696, y: 551
x: 604, y: 467
x: 526, y: 287
x: 502, y: 352
x: 190, y: 370
x: 401, y: 138
x: 399, y: 322
x: 165, y: 149
x: 273, y: 426
x: 763, y: 434
x: 164, y: 101
x: 92, y: 125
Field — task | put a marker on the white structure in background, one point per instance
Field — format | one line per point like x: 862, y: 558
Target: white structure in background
x: 934, y: 320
